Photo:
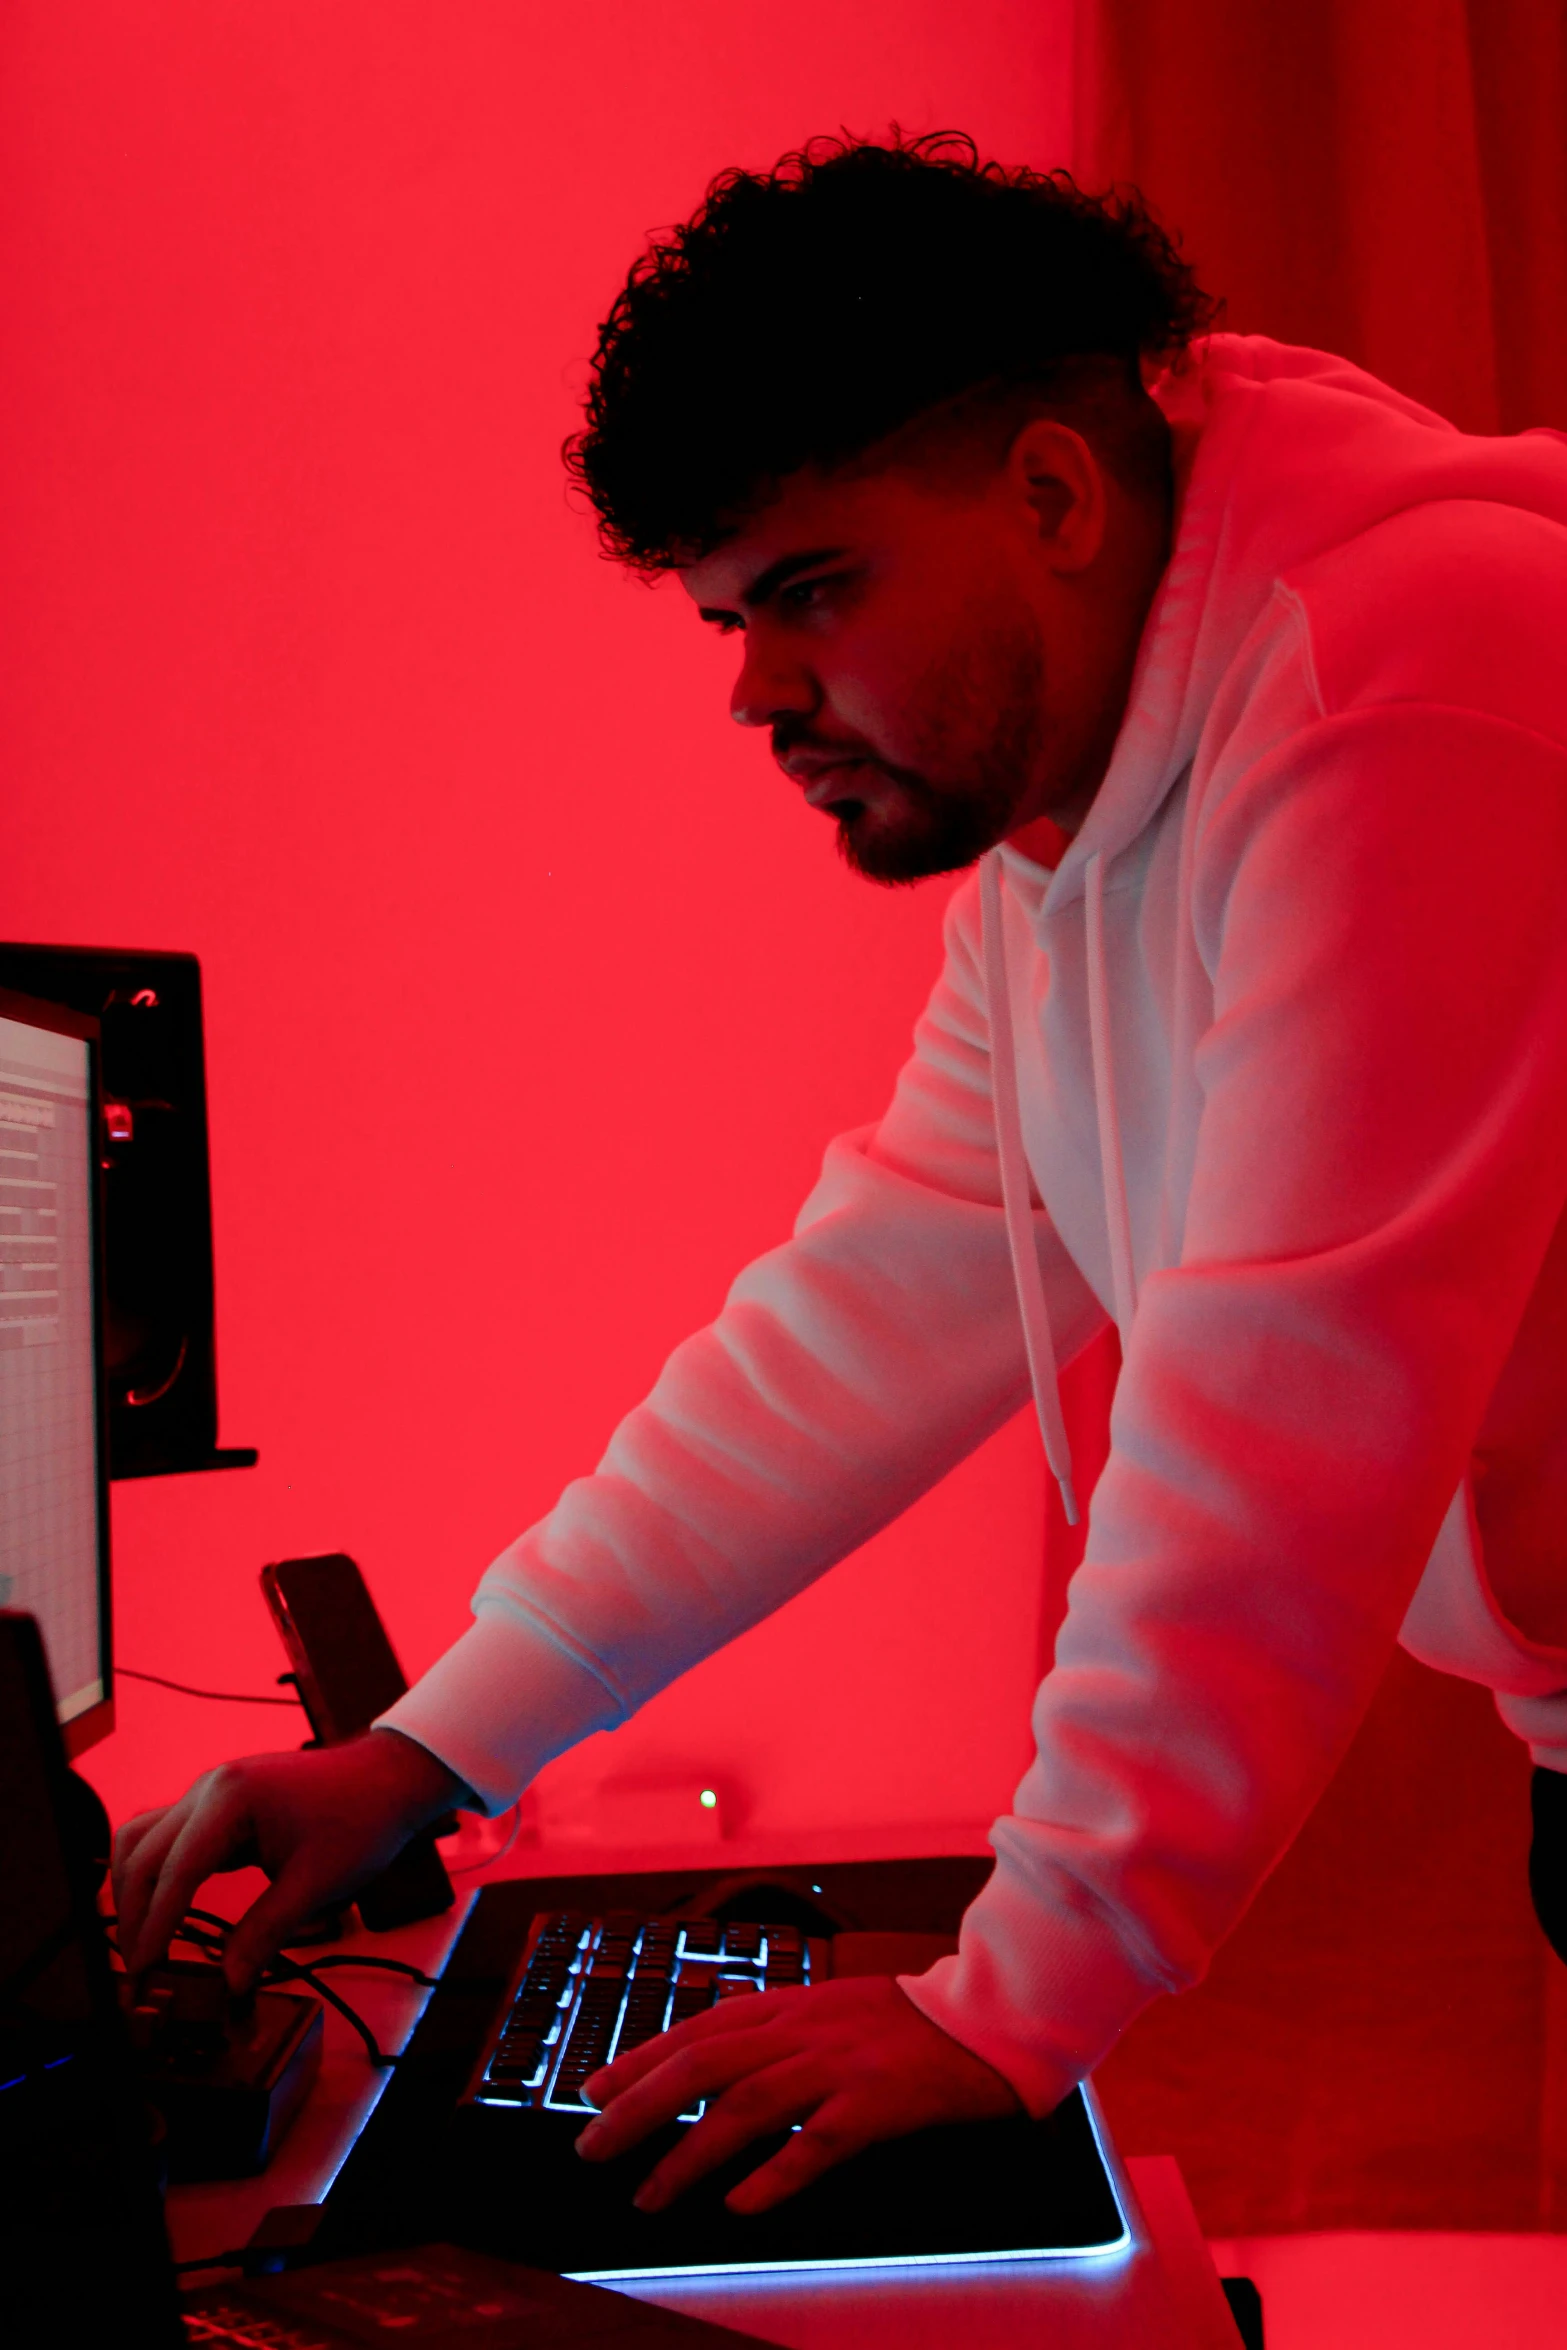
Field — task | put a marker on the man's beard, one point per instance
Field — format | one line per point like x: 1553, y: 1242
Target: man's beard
x: 936, y: 831
x: 984, y: 730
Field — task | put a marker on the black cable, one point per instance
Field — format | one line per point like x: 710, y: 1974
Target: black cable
x: 219, y: 1696
x: 369, y: 1958
x: 200, y: 1937
x: 390, y: 1966
x: 215, y: 1928
x: 210, y: 1917
x: 201, y: 1940
x: 283, y: 1970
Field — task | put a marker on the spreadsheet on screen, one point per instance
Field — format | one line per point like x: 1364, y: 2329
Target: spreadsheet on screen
x: 48, y: 1409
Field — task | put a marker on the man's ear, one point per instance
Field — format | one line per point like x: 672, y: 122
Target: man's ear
x: 1060, y: 486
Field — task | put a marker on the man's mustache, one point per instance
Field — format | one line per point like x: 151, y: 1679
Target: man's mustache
x: 798, y: 751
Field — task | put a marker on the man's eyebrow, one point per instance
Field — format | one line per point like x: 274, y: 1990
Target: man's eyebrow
x: 767, y: 583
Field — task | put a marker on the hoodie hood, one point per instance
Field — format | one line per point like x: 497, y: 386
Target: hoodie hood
x: 1281, y: 455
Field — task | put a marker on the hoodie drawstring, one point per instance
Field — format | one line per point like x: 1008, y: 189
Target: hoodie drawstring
x: 1037, y: 1341
x: 1123, y: 1277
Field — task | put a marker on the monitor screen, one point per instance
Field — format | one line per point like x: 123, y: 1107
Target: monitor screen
x: 53, y: 1496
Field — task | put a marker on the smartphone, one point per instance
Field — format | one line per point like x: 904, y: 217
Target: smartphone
x: 347, y: 1673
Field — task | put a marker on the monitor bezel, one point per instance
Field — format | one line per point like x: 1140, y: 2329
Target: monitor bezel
x: 96, y: 1721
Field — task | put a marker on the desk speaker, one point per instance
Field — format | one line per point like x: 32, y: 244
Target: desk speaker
x: 159, y: 1345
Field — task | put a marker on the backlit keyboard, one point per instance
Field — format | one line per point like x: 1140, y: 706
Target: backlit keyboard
x: 592, y: 1988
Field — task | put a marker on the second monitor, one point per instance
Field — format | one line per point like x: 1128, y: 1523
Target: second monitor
x: 54, y: 1519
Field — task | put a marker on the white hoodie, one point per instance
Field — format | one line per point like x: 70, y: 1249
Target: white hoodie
x: 1289, y: 1034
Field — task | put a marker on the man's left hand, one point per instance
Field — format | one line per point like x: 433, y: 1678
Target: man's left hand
x: 851, y: 2062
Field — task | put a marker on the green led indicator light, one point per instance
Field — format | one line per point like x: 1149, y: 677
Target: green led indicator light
x: 708, y: 1800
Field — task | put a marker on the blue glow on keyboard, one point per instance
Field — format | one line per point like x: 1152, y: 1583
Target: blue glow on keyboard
x: 610, y: 1974
x: 1100, y: 2258
x: 378, y: 2082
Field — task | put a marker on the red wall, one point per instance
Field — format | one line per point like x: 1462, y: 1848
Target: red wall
x: 532, y: 994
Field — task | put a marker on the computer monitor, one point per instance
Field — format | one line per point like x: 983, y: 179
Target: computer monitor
x: 54, y: 1508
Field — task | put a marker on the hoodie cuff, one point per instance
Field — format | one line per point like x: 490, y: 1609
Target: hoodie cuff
x: 499, y: 1705
x: 1541, y: 1722
x: 1040, y: 1993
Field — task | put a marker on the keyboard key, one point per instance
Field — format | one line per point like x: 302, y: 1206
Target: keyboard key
x: 564, y: 1932
x: 520, y: 2047
x: 545, y: 1984
x: 618, y: 1982
x: 636, y: 2033
x: 534, y: 2012
x: 510, y: 2076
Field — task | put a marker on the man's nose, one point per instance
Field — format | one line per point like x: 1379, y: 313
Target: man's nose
x: 771, y: 685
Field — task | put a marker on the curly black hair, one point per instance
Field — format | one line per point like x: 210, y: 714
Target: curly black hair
x: 805, y: 313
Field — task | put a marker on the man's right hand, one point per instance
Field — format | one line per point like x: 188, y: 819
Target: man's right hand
x: 321, y: 1823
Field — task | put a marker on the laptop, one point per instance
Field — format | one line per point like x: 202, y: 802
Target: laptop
x: 84, y: 2255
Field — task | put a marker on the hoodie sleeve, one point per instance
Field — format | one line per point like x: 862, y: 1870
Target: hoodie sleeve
x: 1377, y: 905
x: 849, y: 1370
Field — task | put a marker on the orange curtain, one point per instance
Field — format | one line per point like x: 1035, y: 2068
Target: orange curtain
x: 1383, y: 2042
x: 1382, y: 178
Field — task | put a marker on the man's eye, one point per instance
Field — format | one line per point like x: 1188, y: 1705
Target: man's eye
x: 801, y: 594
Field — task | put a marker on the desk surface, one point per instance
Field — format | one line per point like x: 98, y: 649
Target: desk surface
x: 1165, y: 2292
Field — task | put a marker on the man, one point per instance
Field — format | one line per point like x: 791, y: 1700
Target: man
x: 1242, y: 678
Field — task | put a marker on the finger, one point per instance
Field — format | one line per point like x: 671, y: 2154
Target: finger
x: 831, y: 2135
x: 130, y: 1833
x: 673, y: 2087
x: 217, y: 1830
x: 271, y: 1920
x: 136, y: 1874
x: 729, y: 2016
x: 753, y: 2108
